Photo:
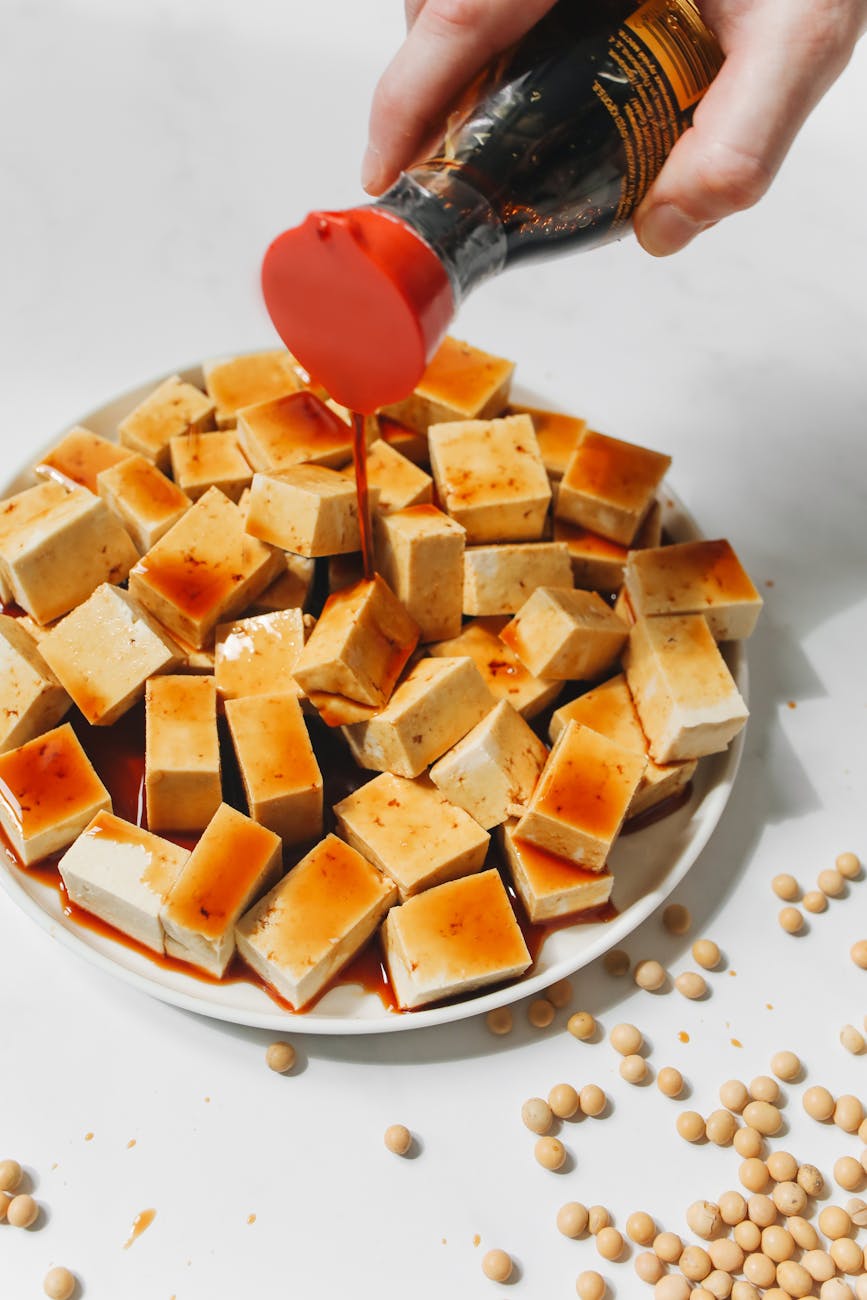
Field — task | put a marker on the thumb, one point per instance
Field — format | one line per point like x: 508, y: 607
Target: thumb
x: 740, y: 135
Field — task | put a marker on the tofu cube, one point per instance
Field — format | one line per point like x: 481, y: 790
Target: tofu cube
x: 495, y: 766
x: 314, y: 921
x: 409, y: 442
x: 460, y: 383
x: 172, y: 409
x: 570, y: 635
x: 291, y: 590
x: 204, y: 571
x: 79, y: 458
x: 582, y: 797
x: 182, y: 753
x: 548, y: 886
x: 360, y: 645
x: 400, y: 482
x: 105, y: 651
x: 453, y: 939
x: 235, y: 382
x: 344, y: 571
x: 234, y: 862
x: 61, y: 554
x: 558, y: 435
x: 438, y: 702
x: 499, y: 579
x: 420, y: 554
x: 597, y: 563
x: 609, y: 709
x: 695, y: 578
x: 32, y: 700
x: 296, y: 429
x: 609, y: 486
x: 146, y: 502
x: 685, y: 696
x: 17, y: 513
x: 490, y: 478
x: 257, y: 656
x: 503, y: 673
x: 123, y: 874
x: 309, y: 510
x: 49, y: 791
x: 412, y: 832
x: 203, y: 460
x: 279, y: 770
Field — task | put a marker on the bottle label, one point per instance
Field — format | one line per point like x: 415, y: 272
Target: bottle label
x: 663, y: 56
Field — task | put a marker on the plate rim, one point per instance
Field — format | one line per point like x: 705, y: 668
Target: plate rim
x: 71, y: 937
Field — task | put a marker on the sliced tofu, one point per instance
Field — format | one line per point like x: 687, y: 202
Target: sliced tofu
x: 235, y: 382
x: 18, y: 513
x: 234, y: 862
x: 495, y: 766
x: 291, y: 590
x: 145, y: 501
x: 609, y: 486
x: 453, y: 939
x: 435, y: 704
x: 204, y: 571
x: 685, y: 696
x: 258, y: 655
x: 460, y: 383
x: 32, y: 700
x: 172, y: 409
x: 105, y: 651
x: 309, y: 510
x: 420, y: 554
x: 570, y: 635
x: 49, y: 792
x: 582, y: 797
x: 122, y: 874
x: 412, y: 832
x: 558, y: 435
x: 54, y: 559
x: 182, y: 753
x: 597, y: 563
x: 490, y: 478
x: 499, y: 579
x: 359, y: 646
x: 296, y: 429
x: 548, y: 886
x: 400, y: 482
x: 609, y: 709
x: 503, y: 672
x: 204, y: 460
x: 281, y: 776
x: 695, y: 578
x: 344, y: 571
x: 314, y: 921
x: 79, y: 458
x: 409, y: 442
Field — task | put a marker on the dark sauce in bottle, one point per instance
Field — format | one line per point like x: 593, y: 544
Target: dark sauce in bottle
x: 557, y: 142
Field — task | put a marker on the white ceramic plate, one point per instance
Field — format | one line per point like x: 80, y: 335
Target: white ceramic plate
x: 647, y: 866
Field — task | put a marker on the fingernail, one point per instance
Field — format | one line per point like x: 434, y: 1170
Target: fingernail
x: 371, y: 168
x: 665, y: 229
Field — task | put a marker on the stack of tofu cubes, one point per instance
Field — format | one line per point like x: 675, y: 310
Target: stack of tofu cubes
x: 518, y: 556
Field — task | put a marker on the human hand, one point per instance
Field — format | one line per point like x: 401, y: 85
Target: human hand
x: 781, y: 57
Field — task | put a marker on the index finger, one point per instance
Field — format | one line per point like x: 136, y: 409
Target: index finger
x: 448, y: 43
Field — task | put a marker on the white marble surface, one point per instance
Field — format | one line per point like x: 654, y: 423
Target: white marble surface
x: 148, y: 153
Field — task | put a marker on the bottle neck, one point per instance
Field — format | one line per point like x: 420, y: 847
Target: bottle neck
x: 456, y: 222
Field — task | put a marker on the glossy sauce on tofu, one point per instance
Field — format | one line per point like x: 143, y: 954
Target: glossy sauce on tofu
x: 46, y: 781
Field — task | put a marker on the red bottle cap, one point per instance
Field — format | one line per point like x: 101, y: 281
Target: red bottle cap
x: 361, y: 300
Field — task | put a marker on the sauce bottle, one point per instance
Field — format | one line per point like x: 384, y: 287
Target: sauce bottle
x: 550, y: 149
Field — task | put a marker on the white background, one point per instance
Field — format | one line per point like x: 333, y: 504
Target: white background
x: 149, y: 151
